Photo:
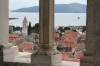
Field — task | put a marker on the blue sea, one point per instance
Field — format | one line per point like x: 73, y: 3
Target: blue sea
x: 61, y: 19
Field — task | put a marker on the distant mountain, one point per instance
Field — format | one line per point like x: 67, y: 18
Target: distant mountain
x: 59, y: 8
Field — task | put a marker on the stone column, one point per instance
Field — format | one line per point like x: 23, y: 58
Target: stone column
x: 4, y: 24
x: 92, y: 53
x: 46, y: 22
x: 47, y: 55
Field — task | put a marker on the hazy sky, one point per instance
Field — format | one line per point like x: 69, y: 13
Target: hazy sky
x: 16, y: 4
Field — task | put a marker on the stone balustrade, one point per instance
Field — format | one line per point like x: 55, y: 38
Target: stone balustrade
x: 9, y: 52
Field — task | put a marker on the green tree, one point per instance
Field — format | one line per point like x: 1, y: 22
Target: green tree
x: 14, y: 28
x: 79, y: 40
x: 84, y: 29
x: 74, y: 30
x: 29, y: 28
x: 17, y: 28
x: 66, y: 28
x: 61, y: 30
x: 35, y: 28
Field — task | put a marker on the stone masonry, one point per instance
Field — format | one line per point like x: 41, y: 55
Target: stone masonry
x: 92, y: 53
x: 47, y: 55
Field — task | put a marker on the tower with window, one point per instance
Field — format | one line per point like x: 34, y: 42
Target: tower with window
x: 25, y: 27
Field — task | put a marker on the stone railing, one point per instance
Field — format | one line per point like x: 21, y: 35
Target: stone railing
x: 15, y: 64
x: 9, y: 52
x: 10, y: 56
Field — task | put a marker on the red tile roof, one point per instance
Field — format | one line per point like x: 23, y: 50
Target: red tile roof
x: 73, y: 45
x: 65, y: 57
x: 68, y: 32
x: 79, y: 54
x: 83, y: 36
x: 68, y: 38
x: 26, y: 45
x: 55, y: 33
x: 75, y: 34
x: 13, y: 36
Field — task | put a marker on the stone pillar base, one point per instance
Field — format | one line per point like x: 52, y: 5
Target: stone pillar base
x: 87, y: 61
x: 45, y: 60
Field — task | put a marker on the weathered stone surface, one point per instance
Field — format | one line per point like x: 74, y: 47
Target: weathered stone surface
x: 47, y: 55
x: 46, y: 21
x: 89, y: 53
x: 4, y: 22
x: 86, y: 64
x: 10, y: 53
x: 16, y: 64
x: 46, y: 34
x: 46, y: 59
x: 97, y: 61
x: 92, y: 53
x: 1, y: 63
x: 87, y: 59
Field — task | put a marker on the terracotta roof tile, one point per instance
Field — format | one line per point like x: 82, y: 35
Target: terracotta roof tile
x: 26, y: 45
x: 13, y: 36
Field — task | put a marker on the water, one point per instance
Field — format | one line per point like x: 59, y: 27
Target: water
x: 61, y: 19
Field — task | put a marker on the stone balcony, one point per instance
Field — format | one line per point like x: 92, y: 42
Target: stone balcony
x: 13, y: 56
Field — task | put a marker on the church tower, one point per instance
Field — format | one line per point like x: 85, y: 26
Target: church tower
x: 25, y: 27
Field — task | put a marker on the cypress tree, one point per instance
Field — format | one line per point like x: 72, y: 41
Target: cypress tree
x: 29, y: 28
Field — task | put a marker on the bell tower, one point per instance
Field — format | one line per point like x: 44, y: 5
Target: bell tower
x: 25, y: 27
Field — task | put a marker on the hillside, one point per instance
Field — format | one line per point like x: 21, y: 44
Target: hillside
x: 59, y: 8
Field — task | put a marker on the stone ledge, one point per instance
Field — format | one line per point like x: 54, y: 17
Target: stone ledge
x: 86, y: 64
x: 16, y: 64
x: 46, y: 59
x: 22, y: 57
x: 67, y: 63
x: 8, y: 46
x: 63, y: 63
x: 87, y: 59
x: 10, y: 53
x: 89, y: 53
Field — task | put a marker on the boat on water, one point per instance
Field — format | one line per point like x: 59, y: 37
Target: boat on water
x: 12, y: 18
x: 78, y: 17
